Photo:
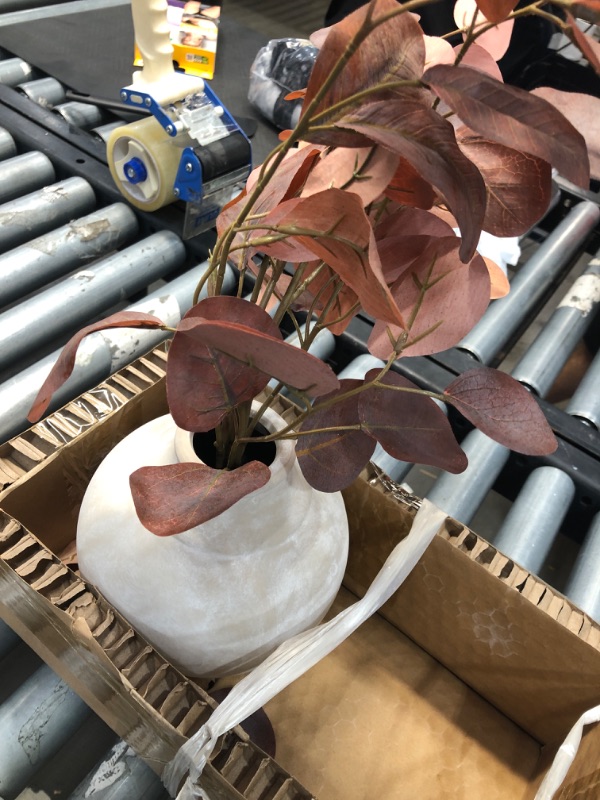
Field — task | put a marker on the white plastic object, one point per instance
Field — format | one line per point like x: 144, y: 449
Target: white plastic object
x: 296, y: 656
x: 158, y: 77
x: 565, y: 755
x: 147, y: 141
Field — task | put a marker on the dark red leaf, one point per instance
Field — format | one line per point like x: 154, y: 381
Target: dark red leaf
x: 256, y: 350
x: 496, y: 10
x: 519, y: 186
x: 410, y: 222
x: 416, y: 132
x: 342, y: 308
x: 174, y: 498
x: 65, y: 363
x: 331, y: 461
x: 394, y: 51
x: 409, y: 426
x: 503, y: 409
x: 408, y: 188
x: 513, y: 117
x: 204, y: 384
x: 456, y: 299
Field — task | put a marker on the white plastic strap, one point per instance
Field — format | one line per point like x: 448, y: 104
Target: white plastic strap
x: 296, y: 656
x: 565, y: 755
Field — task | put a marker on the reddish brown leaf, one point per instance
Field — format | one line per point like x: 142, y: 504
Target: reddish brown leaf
x: 583, y: 112
x: 412, y: 222
x: 333, y: 226
x: 342, y: 308
x: 394, y: 51
x: 409, y: 426
x: 457, y: 298
x: 299, y: 93
x: 65, y: 363
x: 588, y: 46
x: 262, y: 351
x: 204, y: 384
x: 408, y: 188
x: 495, y: 40
x: 331, y: 461
x: 285, y: 183
x: 174, y: 498
x: 419, y: 134
x: 513, y: 117
x: 478, y: 57
x: 365, y: 171
x: 503, y: 409
x: 496, y: 10
x: 519, y: 186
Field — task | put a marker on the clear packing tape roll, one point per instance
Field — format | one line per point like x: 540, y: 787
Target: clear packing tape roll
x: 296, y: 656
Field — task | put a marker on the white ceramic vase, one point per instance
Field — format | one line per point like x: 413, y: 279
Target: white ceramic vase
x: 216, y: 599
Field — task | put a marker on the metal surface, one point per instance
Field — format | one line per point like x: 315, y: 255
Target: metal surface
x: 121, y: 775
x: 41, y: 261
x: 24, y: 173
x: 583, y: 587
x: 45, y: 91
x: 535, y: 518
x: 531, y: 282
x: 61, y: 309
x: 41, y: 211
x: 8, y: 147
x: 100, y: 354
x: 544, y: 359
x: 35, y: 721
x: 461, y: 495
x: 81, y: 115
x: 14, y: 71
x: 585, y: 403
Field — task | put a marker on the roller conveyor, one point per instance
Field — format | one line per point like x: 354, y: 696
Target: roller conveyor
x: 566, y: 488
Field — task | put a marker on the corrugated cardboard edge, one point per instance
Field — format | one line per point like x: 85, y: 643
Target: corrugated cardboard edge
x: 142, y: 697
x: 515, y: 640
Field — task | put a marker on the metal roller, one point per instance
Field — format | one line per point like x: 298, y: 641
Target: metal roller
x: 585, y: 403
x: 104, y: 132
x: 535, y: 517
x: 35, y: 721
x: 46, y: 92
x: 32, y: 265
x: 23, y: 174
x: 546, y: 356
x: 8, y: 148
x: 100, y: 354
x: 583, y: 586
x: 30, y: 216
x: 461, y: 495
x: 71, y: 303
x: 14, y: 71
x: 80, y: 115
x: 121, y: 775
x: 529, y: 285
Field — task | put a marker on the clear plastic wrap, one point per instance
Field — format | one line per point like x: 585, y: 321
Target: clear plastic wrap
x: 280, y: 67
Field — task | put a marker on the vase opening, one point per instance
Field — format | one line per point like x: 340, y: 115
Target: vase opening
x: 265, y: 452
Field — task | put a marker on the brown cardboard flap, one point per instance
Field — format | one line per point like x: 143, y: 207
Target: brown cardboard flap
x: 508, y: 635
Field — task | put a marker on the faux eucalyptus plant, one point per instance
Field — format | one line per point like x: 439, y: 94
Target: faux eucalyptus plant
x: 402, y: 140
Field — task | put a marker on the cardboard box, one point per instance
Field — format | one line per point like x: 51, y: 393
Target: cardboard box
x: 462, y: 687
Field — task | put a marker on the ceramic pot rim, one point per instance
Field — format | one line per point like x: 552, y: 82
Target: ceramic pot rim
x: 285, y: 453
